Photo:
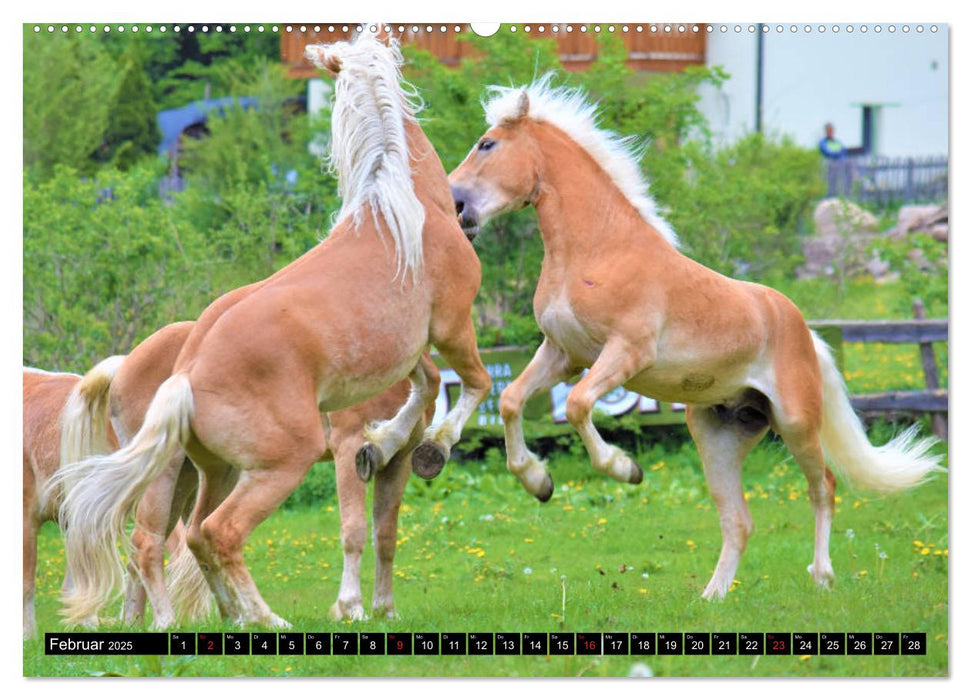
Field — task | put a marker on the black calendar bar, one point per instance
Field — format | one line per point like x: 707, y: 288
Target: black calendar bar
x: 106, y: 643
x: 488, y: 643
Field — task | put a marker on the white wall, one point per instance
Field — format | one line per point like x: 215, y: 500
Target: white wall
x: 811, y: 79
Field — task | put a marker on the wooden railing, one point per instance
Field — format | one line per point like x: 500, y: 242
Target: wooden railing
x: 921, y: 331
x: 659, y: 50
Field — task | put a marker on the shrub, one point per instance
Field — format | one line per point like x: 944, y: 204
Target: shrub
x: 105, y: 264
x: 739, y: 209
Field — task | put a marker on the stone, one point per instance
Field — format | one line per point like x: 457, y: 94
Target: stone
x: 918, y: 217
x: 839, y: 216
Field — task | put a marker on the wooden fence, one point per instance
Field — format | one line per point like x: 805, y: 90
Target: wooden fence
x: 921, y: 331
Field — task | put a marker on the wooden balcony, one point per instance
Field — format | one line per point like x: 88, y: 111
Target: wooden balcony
x: 657, y: 50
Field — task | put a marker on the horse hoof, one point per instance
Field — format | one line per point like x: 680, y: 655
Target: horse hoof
x: 428, y: 460
x: 547, y: 493
x: 637, y: 474
x: 368, y: 461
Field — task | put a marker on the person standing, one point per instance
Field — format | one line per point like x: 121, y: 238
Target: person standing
x: 830, y: 146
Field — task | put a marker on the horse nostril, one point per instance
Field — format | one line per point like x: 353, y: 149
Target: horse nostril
x: 459, y: 207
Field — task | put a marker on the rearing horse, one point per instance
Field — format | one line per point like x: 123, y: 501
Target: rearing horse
x: 339, y: 325
x: 616, y: 296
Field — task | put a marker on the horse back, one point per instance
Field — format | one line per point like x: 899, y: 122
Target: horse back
x: 44, y: 397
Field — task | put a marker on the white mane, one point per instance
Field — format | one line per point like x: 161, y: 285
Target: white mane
x: 569, y: 110
x: 369, y: 149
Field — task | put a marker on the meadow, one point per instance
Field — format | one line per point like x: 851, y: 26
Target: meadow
x: 477, y: 554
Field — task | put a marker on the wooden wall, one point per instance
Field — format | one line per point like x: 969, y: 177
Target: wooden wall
x: 659, y: 50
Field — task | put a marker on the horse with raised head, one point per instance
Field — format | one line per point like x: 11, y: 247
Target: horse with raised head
x: 339, y: 325
x: 125, y: 390
x: 616, y: 296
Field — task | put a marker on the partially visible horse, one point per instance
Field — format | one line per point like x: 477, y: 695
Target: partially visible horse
x: 128, y: 390
x: 341, y: 324
x: 616, y: 296
x: 45, y: 397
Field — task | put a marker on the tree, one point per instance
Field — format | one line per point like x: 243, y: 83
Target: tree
x: 69, y: 87
x: 132, y: 129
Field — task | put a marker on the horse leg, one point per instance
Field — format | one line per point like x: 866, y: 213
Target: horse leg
x: 214, y: 480
x: 797, y: 416
x: 457, y: 344
x: 388, y: 490
x: 802, y: 439
x: 146, y: 567
x: 31, y: 526
x: 723, y: 442
x: 616, y: 364
x: 351, y: 495
x: 188, y: 589
x: 258, y: 493
x: 548, y: 367
x: 384, y: 439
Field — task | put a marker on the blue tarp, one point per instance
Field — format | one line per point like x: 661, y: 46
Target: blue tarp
x: 172, y: 122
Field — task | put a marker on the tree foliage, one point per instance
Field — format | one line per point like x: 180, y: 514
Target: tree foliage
x: 69, y: 87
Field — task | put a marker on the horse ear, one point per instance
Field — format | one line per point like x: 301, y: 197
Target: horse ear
x: 323, y: 59
x: 522, y: 108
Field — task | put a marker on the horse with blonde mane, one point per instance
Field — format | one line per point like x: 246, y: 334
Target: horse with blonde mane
x: 341, y: 324
x: 127, y: 388
x: 616, y: 296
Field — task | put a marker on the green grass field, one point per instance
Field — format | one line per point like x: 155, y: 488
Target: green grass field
x: 477, y: 554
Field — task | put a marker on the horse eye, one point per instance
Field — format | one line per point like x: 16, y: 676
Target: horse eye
x: 486, y: 144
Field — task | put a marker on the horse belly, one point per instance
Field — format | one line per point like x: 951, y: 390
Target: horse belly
x: 693, y: 381
x: 337, y: 392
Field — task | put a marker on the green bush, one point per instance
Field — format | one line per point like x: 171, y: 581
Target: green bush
x: 319, y: 486
x: 105, y: 264
x: 740, y: 209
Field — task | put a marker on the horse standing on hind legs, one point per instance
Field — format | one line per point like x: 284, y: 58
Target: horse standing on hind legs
x: 616, y: 296
x: 339, y: 325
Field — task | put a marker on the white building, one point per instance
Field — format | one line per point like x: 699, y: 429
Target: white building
x: 900, y: 80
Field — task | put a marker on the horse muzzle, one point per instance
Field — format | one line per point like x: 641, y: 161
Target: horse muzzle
x: 467, y: 216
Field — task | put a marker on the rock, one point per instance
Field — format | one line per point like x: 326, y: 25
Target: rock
x: 918, y: 258
x: 939, y: 232
x: 836, y: 216
x: 829, y: 254
x: 917, y: 217
x: 877, y: 267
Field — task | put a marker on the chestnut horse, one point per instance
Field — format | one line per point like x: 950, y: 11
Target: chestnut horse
x: 128, y: 389
x: 45, y: 394
x: 341, y: 324
x: 616, y: 296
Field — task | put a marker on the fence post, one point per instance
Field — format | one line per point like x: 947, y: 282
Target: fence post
x: 938, y: 421
x: 909, y: 187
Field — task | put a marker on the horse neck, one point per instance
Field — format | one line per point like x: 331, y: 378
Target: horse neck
x: 581, y: 211
x: 428, y: 175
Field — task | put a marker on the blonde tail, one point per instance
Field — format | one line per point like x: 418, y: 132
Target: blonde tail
x: 84, y: 418
x: 902, y: 463
x: 187, y: 586
x: 103, y: 493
